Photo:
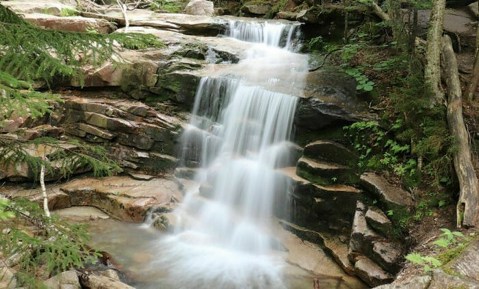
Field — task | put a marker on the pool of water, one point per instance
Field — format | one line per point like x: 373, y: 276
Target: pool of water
x: 138, y: 251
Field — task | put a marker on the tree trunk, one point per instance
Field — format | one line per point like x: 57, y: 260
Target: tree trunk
x: 44, y: 191
x: 432, y: 71
x: 468, y: 204
x: 471, y: 89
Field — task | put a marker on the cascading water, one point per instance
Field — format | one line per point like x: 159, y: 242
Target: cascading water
x: 237, y: 137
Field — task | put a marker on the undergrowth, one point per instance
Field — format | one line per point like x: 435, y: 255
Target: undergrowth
x: 40, y: 247
x: 409, y: 142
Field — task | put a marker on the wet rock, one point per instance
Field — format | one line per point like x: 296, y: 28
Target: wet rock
x: 71, y: 23
x: 200, y: 7
x: 81, y: 214
x: 332, y: 245
x: 93, y: 281
x: 370, y: 272
x: 179, y: 86
x: 416, y: 282
x: 392, y: 196
x: 377, y: 220
x: 122, y: 197
x: 64, y: 280
x: 330, y: 151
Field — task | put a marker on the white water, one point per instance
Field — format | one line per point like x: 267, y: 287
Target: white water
x: 238, y: 136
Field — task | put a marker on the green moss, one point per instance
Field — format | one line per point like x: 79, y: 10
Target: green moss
x: 168, y: 6
x: 68, y: 12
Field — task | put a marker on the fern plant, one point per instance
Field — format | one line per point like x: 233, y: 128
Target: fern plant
x: 32, y: 57
x: 42, y: 246
x: 64, y: 158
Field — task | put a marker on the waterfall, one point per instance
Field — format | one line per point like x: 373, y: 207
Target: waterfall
x: 237, y: 138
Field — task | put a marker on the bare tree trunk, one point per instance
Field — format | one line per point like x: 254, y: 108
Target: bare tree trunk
x: 44, y: 191
x: 379, y: 11
x: 471, y: 89
x: 468, y: 204
x: 432, y: 71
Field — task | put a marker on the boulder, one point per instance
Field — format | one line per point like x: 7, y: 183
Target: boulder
x: 331, y: 244
x: 256, y: 9
x: 53, y: 7
x: 188, y: 24
x: 200, y: 7
x: 330, y: 151
x: 384, y: 252
x: 64, y: 280
x: 70, y: 23
x: 362, y: 237
x: 122, y: 197
x: 93, y: 281
x: 81, y: 214
x: 330, y: 97
x: 371, y: 273
x: 393, y: 197
x: 316, y: 206
x: 320, y: 172
x: 377, y: 220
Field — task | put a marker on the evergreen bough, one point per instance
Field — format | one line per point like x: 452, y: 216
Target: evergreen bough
x: 32, y: 60
x: 32, y: 57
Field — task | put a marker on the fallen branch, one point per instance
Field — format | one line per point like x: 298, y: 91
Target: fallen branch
x: 432, y: 71
x: 468, y: 204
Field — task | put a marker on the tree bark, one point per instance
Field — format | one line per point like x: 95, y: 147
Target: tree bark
x: 468, y: 205
x: 471, y: 89
x: 44, y: 191
x: 432, y: 71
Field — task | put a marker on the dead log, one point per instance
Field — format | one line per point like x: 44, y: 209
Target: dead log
x: 468, y: 205
x: 432, y: 71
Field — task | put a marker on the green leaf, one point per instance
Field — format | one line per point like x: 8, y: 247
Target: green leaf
x: 415, y: 258
x: 442, y: 242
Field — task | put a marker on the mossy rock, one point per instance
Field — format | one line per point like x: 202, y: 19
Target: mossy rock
x: 320, y: 172
x: 330, y: 151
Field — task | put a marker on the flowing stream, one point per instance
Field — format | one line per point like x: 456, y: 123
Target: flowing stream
x: 238, y: 137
